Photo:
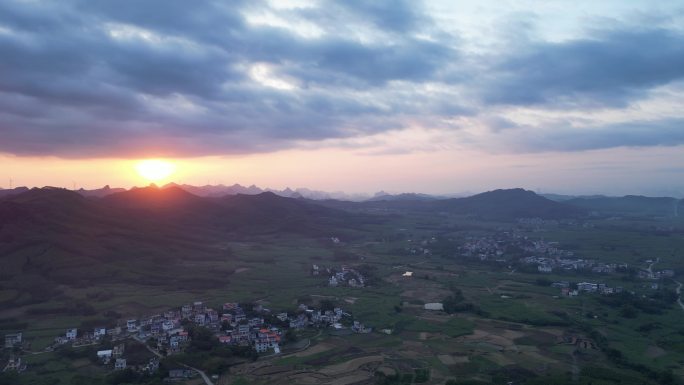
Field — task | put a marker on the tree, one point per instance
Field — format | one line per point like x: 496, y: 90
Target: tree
x: 327, y: 304
x: 291, y: 336
x: 628, y: 311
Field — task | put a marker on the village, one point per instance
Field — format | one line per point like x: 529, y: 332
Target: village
x: 250, y: 326
x: 548, y: 257
x: 344, y: 276
x: 539, y: 256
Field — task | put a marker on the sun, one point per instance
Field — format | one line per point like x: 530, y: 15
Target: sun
x: 155, y: 170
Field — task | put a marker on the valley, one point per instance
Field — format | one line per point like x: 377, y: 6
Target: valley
x: 76, y: 262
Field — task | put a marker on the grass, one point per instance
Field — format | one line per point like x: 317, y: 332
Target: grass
x: 454, y: 327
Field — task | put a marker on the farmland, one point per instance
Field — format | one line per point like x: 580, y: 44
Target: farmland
x: 504, y: 321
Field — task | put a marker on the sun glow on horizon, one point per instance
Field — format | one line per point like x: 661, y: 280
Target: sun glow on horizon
x: 155, y: 170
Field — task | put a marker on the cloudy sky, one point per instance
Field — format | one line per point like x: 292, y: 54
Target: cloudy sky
x: 435, y: 96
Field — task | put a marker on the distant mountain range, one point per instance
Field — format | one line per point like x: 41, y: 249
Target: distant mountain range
x: 486, y: 205
x: 223, y: 190
x: 495, y: 205
x: 629, y: 205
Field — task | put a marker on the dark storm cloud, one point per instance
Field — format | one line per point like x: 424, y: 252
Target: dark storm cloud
x: 611, y: 68
x: 101, y: 78
x: 127, y: 78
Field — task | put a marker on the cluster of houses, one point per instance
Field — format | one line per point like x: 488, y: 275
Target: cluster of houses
x: 243, y: 329
x: 548, y: 248
x: 648, y: 274
x: 483, y: 248
x: 307, y: 317
x: 345, y: 276
x: 15, y: 364
x: 13, y: 340
x: 420, y: 248
x: 493, y: 248
x: 585, y: 287
x: 232, y: 325
x: 538, y: 222
x: 115, y: 354
x: 549, y: 265
x: 546, y: 256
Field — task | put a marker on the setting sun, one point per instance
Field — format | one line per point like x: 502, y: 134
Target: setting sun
x: 155, y: 170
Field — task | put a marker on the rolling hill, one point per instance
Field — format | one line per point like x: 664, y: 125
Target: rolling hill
x: 630, y: 205
x: 511, y: 204
x: 52, y: 237
x: 505, y: 205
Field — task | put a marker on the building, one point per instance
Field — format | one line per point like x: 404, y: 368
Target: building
x: 120, y: 364
x: 14, y: 364
x: 99, y: 333
x: 104, y: 356
x: 212, y: 316
x: 12, y: 339
x: 180, y: 374
x: 667, y: 273
x: 266, y: 339
x: 167, y: 325
x: 436, y: 306
x: 71, y: 334
x: 132, y: 325
x: 118, y: 351
x: 152, y: 366
x: 587, y: 286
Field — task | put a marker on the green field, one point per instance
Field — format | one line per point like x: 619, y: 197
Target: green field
x: 513, y: 328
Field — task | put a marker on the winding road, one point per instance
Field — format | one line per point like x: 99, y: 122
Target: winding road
x: 679, y: 294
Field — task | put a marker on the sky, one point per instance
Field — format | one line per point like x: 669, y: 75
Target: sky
x: 439, y: 97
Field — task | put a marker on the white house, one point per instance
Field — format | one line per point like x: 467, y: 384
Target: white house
x: 132, y: 325
x: 436, y: 306
x: 587, y: 286
x: 120, y: 364
x: 167, y: 325
x: 99, y: 332
x: 104, y: 355
x: 12, y: 339
x: 71, y: 334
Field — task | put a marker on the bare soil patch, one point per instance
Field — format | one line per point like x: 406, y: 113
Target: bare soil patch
x: 351, y: 379
x: 655, y: 352
x: 319, y: 348
x: 386, y: 370
x: 350, y: 365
